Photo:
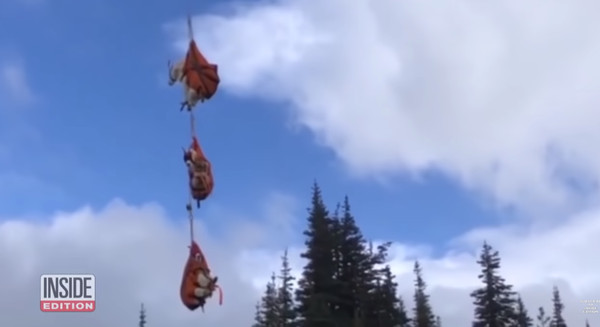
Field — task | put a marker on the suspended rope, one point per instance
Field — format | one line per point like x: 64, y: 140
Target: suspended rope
x: 192, y: 124
x: 191, y: 197
x: 190, y: 211
x: 190, y: 29
x: 200, y: 80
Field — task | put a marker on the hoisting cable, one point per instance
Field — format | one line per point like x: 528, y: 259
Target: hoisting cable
x: 190, y: 211
x: 190, y: 30
x: 189, y: 205
x: 193, y: 135
x: 192, y: 124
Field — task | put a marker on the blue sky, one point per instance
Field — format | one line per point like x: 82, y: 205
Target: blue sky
x: 107, y: 126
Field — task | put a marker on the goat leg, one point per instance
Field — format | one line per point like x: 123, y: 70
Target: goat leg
x: 183, y: 105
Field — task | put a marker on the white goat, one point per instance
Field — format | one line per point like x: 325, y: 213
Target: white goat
x: 176, y: 74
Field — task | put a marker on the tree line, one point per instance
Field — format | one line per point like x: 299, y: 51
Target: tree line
x: 347, y: 282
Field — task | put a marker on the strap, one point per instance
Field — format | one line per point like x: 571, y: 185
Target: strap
x: 190, y: 29
x: 190, y: 206
x: 220, y: 294
x: 192, y: 125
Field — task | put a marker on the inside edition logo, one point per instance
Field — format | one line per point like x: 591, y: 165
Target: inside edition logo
x: 68, y: 293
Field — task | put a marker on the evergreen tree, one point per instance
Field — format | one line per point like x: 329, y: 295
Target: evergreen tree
x: 542, y: 319
x: 354, y: 269
x: 403, y: 319
x: 315, y: 287
x: 142, y: 316
x: 557, y: 318
x: 494, y: 302
x: 522, y: 317
x: 423, y: 314
x: 341, y: 301
x: 371, y: 285
x: 287, y: 313
x: 269, y: 307
x: 587, y: 323
x: 389, y: 310
x: 259, y: 320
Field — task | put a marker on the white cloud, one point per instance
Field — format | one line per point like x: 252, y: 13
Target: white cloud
x: 533, y: 261
x: 14, y: 84
x: 137, y: 254
x: 501, y: 96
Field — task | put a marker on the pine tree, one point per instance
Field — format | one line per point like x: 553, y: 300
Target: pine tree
x: 353, y: 269
x: 403, y: 319
x: 390, y: 308
x: 542, y: 319
x: 558, y: 306
x: 371, y: 284
x: 142, y: 316
x: 269, y: 307
x: 423, y: 314
x: 259, y: 319
x: 494, y: 302
x: 522, y: 317
x: 341, y: 301
x: 393, y: 305
x: 287, y: 313
x: 315, y: 287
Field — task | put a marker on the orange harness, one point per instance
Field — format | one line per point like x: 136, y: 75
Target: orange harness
x: 199, y: 172
x: 201, y: 76
x: 197, y: 284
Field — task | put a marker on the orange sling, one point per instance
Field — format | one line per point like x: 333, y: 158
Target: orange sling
x: 196, y: 268
x: 202, y: 76
x: 199, y: 171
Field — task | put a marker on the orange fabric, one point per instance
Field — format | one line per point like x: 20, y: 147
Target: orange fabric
x: 196, y: 147
x: 200, y: 173
x: 196, y: 264
x: 202, y: 76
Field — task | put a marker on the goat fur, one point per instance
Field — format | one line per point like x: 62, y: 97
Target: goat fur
x: 176, y: 74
